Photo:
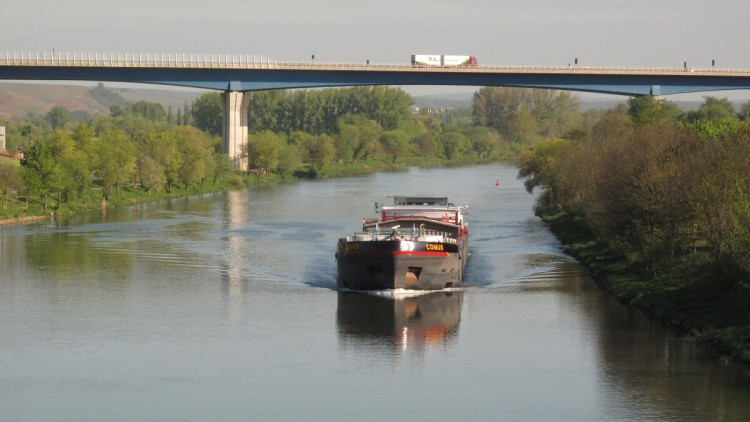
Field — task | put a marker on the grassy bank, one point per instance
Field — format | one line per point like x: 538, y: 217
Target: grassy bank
x: 697, y: 295
x: 21, y: 210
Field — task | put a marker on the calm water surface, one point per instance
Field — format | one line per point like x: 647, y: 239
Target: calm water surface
x: 224, y: 307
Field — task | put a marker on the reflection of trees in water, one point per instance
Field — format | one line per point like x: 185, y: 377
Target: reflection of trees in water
x: 669, y: 376
x: 117, y: 244
x: 672, y: 373
x: 408, y: 323
x: 63, y: 257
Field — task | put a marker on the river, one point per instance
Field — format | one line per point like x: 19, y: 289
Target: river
x: 224, y: 307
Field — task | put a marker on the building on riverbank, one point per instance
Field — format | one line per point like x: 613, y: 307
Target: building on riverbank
x: 2, y: 138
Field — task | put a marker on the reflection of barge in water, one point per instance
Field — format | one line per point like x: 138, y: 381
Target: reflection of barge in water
x: 415, y: 321
x: 419, y: 243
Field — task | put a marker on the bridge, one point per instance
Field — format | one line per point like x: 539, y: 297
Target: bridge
x: 236, y: 75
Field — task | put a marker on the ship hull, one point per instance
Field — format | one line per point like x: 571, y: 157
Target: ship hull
x: 396, y: 264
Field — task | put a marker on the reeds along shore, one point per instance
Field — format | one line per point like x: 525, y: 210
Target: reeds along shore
x: 22, y: 220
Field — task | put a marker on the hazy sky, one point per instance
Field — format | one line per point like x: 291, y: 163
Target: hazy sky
x: 634, y: 33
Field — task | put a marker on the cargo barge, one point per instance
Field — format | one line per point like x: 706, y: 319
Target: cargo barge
x: 418, y: 243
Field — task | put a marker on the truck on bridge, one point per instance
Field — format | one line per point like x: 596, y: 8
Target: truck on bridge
x: 438, y: 60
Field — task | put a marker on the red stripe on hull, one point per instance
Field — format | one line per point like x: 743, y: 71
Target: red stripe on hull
x: 420, y: 253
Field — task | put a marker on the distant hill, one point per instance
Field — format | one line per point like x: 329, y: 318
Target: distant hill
x: 168, y: 98
x: 454, y: 101
x: 18, y: 99
x: 587, y: 102
x: 457, y: 101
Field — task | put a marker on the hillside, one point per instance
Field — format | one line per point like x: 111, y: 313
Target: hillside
x: 18, y: 99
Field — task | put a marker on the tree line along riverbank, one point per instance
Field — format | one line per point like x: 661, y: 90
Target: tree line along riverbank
x: 699, y: 299
x: 657, y: 205
x: 141, y: 152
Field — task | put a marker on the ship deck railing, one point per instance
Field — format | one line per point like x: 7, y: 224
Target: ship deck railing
x: 412, y: 235
x: 447, y: 218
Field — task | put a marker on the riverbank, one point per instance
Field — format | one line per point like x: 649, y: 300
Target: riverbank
x: 22, y: 220
x: 17, y: 211
x: 696, y: 296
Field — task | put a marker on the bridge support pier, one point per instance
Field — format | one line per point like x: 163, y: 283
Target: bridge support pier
x: 236, y: 105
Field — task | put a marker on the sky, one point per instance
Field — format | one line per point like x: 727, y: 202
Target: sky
x: 622, y: 33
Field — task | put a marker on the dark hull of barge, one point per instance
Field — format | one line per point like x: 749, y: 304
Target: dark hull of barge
x: 398, y: 264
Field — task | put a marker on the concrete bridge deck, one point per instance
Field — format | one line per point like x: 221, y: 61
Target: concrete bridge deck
x: 255, y: 62
x: 236, y: 75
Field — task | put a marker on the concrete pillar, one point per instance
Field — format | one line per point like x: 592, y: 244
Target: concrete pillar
x: 236, y: 104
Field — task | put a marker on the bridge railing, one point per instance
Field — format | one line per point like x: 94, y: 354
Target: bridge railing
x: 248, y: 61
x: 176, y: 60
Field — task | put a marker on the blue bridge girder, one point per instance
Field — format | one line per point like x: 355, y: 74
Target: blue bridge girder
x: 238, y: 73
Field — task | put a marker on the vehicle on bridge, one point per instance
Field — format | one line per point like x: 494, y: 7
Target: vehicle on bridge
x: 437, y: 60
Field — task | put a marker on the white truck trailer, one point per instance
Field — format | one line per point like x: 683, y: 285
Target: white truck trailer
x: 438, y: 60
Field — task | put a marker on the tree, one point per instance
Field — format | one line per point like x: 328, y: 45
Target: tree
x: 115, y: 110
x: 106, y: 96
x: 426, y: 144
x: 289, y: 159
x: 320, y: 150
x: 647, y: 109
x: 208, y: 113
x: 426, y: 135
x: 714, y: 119
x: 744, y: 112
x: 42, y: 174
x: 75, y: 172
x: 153, y: 112
x: 263, y: 110
x: 222, y: 165
x: 357, y: 137
x: 536, y: 168
x: 455, y: 144
x: 484, y: 141
x: 11, y: 182
x: 194, y: 147
x: 318, y: 112
x: 635, y: 188
x: 163, y: 148
x: 83, y: 134
x: 186, y: 117
x: 265, y: 151
x: 565, y: 115
x: 511, y: 111
x: 112, y: 158
x: 521, y: 126
x: 492, y: 106
x: 574, y: 173
x: 392, y: 106
x: 12, y: 137
x: 612, y: 125
x: 395, y: 143
x: 720, y: 196
x: 59, y: 116
x: 170, y: 116
x: 713, y: 109
x: 151, y: 173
